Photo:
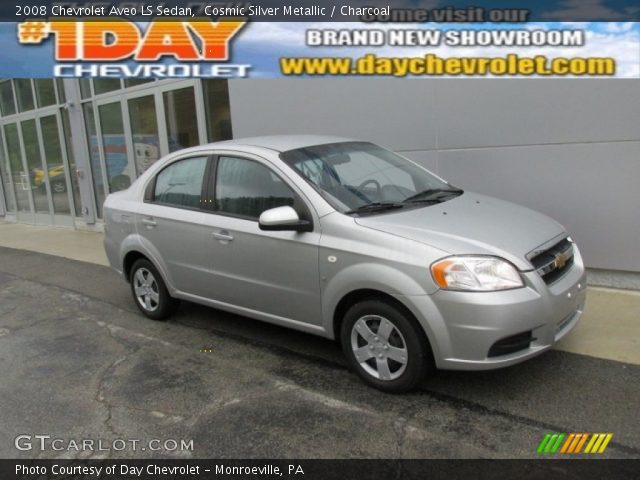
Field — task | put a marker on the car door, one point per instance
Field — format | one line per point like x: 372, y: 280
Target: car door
x: 275, y: 272
x: 171, y: 222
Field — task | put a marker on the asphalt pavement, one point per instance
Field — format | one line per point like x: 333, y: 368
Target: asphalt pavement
x: 79, y: 362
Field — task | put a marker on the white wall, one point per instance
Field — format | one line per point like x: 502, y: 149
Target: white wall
x: 569, y: 148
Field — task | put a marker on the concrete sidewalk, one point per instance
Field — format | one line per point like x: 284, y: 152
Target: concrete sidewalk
x: 610, y: 326
x: 79, y: 245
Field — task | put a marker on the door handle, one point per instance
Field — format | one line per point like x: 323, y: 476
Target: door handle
x: 149, y: 222
x: 223, y: 236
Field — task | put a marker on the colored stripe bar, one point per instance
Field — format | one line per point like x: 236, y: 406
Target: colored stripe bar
x: 568, y: 442
x: 574, y: 443
x: 606, y: 442
x: 582, y: 441
x: 591, y: 442
x: 543, y: 443
x: 596, y: 446
x: 555, y: 447
x: 550, y: 443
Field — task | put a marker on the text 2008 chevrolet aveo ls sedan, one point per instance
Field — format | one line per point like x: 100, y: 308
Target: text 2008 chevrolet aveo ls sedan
x: 350, y: 241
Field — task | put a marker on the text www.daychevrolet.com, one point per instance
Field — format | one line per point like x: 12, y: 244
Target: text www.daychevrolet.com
x: 434, y: 65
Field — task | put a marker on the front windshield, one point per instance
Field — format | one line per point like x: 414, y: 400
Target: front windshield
x: 359, y: 176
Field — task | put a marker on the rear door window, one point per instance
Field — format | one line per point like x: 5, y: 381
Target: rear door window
x: 180, y: 184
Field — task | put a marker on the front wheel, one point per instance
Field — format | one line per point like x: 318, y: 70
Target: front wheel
x: 149, y: 291
x: 384, y: 346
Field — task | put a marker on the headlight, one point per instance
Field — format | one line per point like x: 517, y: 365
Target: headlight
x: 480, y: 274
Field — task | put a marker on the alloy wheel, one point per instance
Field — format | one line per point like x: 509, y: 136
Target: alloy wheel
x: 379, y: 347
x: 146, y: 289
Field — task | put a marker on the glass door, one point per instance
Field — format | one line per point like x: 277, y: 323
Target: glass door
x: 143, y: 121
x: 162, y: 120
x: 8, y: 199
x: 129, y: 131
x: 17, y: 173
x: 36, y: 170
x: 181, y: 110
x: 114, y: 147
x: 56, y: 172
x: 179, y: 106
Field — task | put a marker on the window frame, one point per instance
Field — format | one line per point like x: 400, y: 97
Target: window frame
x: 150, y: 189
x: 211, y: 187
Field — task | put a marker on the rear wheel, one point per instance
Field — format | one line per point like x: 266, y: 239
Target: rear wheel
x: 150, y: 292
x: 384, y: 346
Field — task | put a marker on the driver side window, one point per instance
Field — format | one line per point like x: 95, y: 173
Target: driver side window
x: 246, y: 188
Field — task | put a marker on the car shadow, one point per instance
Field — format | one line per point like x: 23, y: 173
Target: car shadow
x: 551, y: 370
x: 555, y: 391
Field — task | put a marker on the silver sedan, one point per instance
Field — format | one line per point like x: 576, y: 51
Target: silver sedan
x: 344, y: 239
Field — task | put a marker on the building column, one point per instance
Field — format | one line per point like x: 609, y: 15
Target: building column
x: 3, y: 210
x: 80, y: 149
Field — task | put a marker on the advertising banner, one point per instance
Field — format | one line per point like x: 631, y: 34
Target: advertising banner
x: 272, y: 40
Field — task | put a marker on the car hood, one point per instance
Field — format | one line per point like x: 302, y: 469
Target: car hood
x: 472, y: 224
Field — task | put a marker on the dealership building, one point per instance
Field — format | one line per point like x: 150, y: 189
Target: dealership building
x: 568, y: 148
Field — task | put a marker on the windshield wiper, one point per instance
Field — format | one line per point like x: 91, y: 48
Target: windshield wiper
x: 376, y: 207
x: 432, y: 195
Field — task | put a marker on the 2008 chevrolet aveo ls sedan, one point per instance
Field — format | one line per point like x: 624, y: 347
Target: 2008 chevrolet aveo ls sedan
x: 350, y: 241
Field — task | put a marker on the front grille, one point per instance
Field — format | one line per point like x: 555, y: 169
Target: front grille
x: 511, y: 344
x: 554, y: 262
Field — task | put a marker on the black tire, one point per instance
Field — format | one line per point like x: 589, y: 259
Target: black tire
x: 161, y: 305
x: 403, y: 331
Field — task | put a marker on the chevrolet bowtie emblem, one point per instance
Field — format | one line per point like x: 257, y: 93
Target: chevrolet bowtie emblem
x: 560, y: 260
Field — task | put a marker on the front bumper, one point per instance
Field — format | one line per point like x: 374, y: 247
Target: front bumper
x: 463, y: 326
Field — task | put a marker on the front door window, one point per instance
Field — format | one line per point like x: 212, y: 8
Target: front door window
x: 246, y: 188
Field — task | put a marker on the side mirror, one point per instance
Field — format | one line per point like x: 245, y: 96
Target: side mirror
x: 283, y: 219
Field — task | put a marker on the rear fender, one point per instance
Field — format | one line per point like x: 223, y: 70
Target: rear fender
x: 137, y: 243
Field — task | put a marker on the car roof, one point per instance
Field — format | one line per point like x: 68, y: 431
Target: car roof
x: 281, y: 143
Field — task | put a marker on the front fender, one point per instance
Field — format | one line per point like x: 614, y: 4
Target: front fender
x: 370, y: 276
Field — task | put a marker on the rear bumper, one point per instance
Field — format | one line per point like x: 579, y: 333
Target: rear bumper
x: 463, y: 326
